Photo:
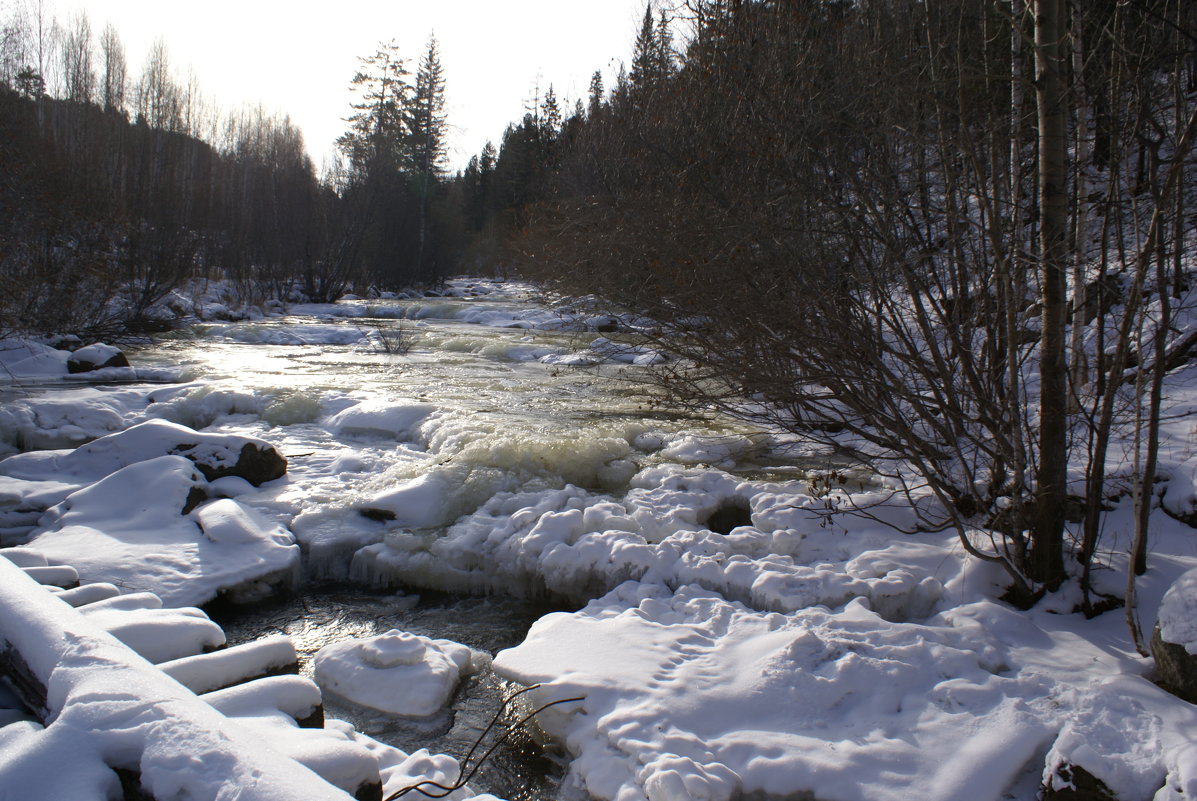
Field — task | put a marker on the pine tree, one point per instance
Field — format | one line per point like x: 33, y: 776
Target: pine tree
x: 645, y: 54
x: 595, y: 106
x: 550, y: 116
x: 427, y: 118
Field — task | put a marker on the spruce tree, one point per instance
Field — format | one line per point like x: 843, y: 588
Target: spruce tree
x: 378, y: 130
x: 596, y: 95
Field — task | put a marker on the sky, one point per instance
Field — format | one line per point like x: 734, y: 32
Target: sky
x: 297, y: 57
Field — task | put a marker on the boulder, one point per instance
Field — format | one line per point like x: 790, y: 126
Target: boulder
x: 1074, y: 783
x: 1175, y: 667
x: 96, y: 357
x: 257, y: 462
x: 1174, y: 639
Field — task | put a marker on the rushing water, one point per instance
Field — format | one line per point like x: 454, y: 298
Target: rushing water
x: 495, y: 402
x: 518, y: 769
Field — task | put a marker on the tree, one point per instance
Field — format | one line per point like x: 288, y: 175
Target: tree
x: 78, y: 72
x: 427, y: 118
x: 427, y: 121
x: 115, y: 76
x: 158, y: 95
x: 595, y: 94
x: 1047, y: 558
x: 379, y: 134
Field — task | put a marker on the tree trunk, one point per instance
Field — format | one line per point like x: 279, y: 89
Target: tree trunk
x: 1046, y: 560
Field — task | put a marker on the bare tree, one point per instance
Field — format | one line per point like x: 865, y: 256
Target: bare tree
x: 114, y: 83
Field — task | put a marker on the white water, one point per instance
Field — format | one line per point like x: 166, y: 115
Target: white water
x: 478, y: 404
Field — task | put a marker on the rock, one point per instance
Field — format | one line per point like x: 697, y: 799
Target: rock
x: 96, y: 357
x: 1074, y: 783
x: 1174, y: 638
x: 257, y: 463
x: 1175, y: 668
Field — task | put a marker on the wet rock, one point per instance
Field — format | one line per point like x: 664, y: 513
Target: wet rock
x: 257, y: 463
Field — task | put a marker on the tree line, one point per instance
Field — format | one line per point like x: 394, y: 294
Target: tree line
x: 954, y: 236
x: 116, y: 186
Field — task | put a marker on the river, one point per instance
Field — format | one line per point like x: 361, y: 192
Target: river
x: 493, y: 392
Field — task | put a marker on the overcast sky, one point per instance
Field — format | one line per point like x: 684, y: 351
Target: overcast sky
x: 297, y: 57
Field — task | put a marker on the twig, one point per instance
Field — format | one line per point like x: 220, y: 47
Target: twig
x: 464, y: 775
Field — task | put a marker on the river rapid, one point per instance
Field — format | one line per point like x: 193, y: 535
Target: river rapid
x: 491, y: 392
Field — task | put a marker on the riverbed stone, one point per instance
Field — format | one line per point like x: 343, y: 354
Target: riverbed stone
x: 96, y: 357
x: 1074, y: 783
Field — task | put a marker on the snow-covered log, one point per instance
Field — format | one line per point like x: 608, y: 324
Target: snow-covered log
x: 117, y: 711
x: 270, y: 656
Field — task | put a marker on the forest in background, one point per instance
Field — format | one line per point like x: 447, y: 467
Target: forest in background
x: 119, y: 184
x: 953, y: 233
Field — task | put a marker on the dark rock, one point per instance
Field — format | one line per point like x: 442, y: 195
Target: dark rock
x: 195, y: 497
x: 369, y: 791
x: 257, y: 463
x: 379, y: 515
x: 96, y: 357
x: 1077, y: 784
x: 1175, y: 668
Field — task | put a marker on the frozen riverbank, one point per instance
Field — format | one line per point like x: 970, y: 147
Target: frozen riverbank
x: 731, y: 638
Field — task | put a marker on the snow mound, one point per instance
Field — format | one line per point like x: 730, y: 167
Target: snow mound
x: 24, y: 359
x: 396, y: 672
x: 131, y: 529
x: 690, y: 696
x: 215, y: 454
x: 381, y: 418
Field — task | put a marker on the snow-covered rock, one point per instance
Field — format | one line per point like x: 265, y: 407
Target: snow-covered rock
x: 96, y: 357
x: 215, y: 455
x: 396, y: 672
x: 132, y: 528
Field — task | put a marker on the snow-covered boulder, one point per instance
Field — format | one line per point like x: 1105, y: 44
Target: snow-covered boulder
x: 397, y: 672
x: 378, y: 418
x: 422, y: 502
x: 1174, y: 640
x: 135, y: 528
x: 96, y: 357
x: 215, y: 455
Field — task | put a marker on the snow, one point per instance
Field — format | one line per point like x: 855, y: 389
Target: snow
x: 1178, y: 613
x: 396, y: 672
x: 799, y: 651
x: 129, y: 529
x: 110, y: 709
x: 219, y: 669
x: 381, y: 418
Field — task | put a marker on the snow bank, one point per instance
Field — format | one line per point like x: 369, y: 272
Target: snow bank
x: 396, y: 672
x: 690, y: 696
x: 131, y: 528
x: 25, y: 359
